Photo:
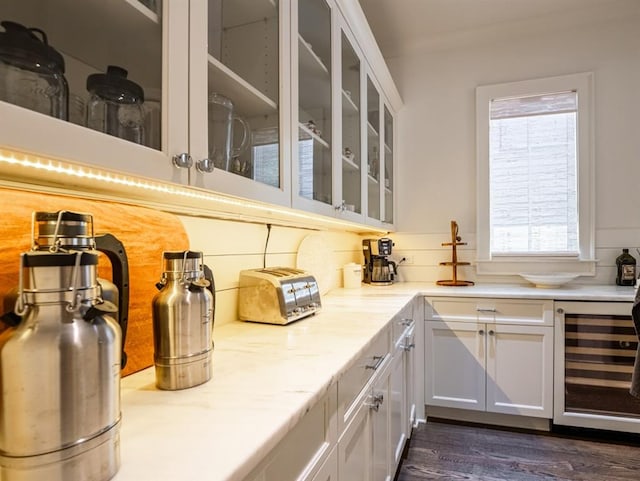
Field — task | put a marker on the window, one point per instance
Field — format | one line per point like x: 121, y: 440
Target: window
x: 535, y: 195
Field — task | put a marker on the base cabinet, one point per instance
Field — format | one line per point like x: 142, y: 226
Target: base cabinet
x: 503, y: 366
x: 359, y: 430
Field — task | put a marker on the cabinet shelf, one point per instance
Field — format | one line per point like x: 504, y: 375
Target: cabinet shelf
x: 348, y: 105
x: 372, y: 179
x: 310, y: 63
x: 315, y: 137
x: 246, y: 98
x: 350, y: 164
x: 372, y: 130
x: 90, y: 30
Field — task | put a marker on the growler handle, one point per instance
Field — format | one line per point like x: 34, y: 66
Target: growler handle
x: 208, y: 275
x: 114, y: 250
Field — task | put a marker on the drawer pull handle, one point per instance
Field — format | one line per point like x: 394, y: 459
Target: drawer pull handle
x: 408, y: 347
x: 376, y: 401
x: 486, y: 309
x: 481, y: 332
x: 491, y: 332
x: 378, y: 361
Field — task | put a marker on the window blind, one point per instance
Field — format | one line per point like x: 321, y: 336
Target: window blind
x: 533, y: 175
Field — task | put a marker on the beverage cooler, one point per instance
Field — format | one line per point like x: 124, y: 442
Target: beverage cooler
x: 595, y: 350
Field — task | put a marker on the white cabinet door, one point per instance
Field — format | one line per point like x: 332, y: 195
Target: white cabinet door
x: 238, y: 95
x: 398, y: 405
x: 92, y: 35
x: 354, y: 447
x: 455, y: 365
x: 410, y: 376
x: 381, y: 397
x: 520, y: 370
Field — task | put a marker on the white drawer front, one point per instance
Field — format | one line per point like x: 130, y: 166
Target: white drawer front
x: 475, y: 309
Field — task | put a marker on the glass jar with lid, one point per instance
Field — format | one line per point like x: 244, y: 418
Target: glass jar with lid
x: 32, y: 71
x: 115, y: 105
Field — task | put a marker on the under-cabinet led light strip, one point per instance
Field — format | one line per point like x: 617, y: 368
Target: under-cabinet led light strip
x: 20, y: 159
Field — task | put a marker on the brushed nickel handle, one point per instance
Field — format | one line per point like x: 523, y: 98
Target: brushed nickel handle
x: 408, y: 347
x: 205, y: 166
x: 486, y: 309
x: 182, y: 161
x: 378, y: 361
x: 376, y: 401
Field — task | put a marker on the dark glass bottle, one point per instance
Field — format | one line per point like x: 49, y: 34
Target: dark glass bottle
x: 626, y: 264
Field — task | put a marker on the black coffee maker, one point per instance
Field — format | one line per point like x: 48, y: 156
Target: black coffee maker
x: 378, y: 270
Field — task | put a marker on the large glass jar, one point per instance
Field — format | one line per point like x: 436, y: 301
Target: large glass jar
x: 31, y: 71
x: 115, y: 105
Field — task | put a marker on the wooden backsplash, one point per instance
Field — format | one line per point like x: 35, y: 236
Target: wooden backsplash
x: 145, y: 233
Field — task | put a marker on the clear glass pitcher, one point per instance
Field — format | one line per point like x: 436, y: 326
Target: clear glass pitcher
x: 222, y: 118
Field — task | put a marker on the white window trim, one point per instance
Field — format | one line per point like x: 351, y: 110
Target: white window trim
x: 513, y: 265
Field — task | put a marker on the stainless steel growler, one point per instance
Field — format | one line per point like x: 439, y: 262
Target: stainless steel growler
x: 183, y: 313
x: 60, y: 374
x: 64, y: 230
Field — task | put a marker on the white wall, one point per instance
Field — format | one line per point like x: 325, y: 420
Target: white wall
x: 437, y: 136
x: 230, y: 246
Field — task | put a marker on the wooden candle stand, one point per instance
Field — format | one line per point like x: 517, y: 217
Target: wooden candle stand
x: 455, y: 241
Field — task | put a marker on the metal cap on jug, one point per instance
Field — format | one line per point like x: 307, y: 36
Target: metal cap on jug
x: 62, y: 229
x: 182, y: 261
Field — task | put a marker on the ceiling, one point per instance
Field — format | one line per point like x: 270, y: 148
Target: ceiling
x: 406, y: 26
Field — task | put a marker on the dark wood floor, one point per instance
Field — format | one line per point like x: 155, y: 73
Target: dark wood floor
x: 456, y: 452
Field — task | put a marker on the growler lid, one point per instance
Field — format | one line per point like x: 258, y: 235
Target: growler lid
x: 181, y: 255
x: 73, y: 230
x: 182, y: 261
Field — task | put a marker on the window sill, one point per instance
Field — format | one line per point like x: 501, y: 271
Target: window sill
x: 543, y: 265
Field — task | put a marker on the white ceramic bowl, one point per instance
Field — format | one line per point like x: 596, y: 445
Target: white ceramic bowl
x: 549, y: 281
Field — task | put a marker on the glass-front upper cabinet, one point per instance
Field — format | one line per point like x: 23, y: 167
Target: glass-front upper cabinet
x: 240, y: 116
x: 388, y: 167
x: 69, y: 66
x: 314, y: 129
x: 351, y: 158
x: 374, y: 165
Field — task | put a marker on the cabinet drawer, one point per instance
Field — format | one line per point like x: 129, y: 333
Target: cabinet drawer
x: 356, y: 377
x: 305, y: 448
x: 476, y: 309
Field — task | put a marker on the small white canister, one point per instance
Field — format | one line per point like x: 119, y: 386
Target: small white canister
x: 352, y: 275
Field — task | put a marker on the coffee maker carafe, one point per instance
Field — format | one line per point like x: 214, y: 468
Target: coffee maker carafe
x: 378, y: 269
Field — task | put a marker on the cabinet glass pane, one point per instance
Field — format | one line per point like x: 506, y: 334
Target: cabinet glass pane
x: 60, y: 44
x: 351, y: 155
x: 314, y: 86
x: 373, y: 150
x: 388, y: 166
x: 243, y: 88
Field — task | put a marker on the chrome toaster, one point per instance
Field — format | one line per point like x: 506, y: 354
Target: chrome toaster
x: 277, y: 295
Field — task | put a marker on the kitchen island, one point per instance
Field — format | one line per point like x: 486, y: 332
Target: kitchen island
x: 267, y: 377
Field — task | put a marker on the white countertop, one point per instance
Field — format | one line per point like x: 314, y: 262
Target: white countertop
x: 265, y: 378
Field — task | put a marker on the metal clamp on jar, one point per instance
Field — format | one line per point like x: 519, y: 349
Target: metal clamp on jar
x: 183, y: 322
